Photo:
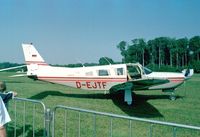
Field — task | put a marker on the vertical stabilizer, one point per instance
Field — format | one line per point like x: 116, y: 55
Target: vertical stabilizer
x: 31, y: 55
x: 33, y: 60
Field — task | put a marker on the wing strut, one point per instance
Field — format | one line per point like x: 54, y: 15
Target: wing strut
x: 128, y: 93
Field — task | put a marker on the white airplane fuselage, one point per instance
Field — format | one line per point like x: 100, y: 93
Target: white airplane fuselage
x: 89, y: 78
x: 81, y: 77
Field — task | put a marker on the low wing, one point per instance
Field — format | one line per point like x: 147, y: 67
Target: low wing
x: 138, y: 84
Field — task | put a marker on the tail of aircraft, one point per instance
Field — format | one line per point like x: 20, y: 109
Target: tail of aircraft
x: 32, y: 58
x: 31, y: 55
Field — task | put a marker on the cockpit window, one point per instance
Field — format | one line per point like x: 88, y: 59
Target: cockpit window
x: 146, y: 70
x: 103, y: 72
x: 134, y: 72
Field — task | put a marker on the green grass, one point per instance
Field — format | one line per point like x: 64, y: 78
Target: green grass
x: 153, y: 105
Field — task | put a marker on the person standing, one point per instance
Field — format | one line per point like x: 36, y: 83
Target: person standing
x: 6, y: 96
x: 4, y: 118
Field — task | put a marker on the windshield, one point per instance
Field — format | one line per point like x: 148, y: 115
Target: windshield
x: 146, y: 70
x: 134, y: 71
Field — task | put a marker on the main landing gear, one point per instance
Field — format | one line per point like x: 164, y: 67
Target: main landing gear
x: 172, y: 94
x: 128, y: 93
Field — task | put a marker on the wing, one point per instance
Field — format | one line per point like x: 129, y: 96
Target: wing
x: 138, y: 84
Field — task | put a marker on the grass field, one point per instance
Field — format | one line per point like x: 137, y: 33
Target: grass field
x: 153, y: 105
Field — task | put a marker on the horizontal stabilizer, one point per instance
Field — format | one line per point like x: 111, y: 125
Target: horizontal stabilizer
x: 11, y: 68
x: 18, y: 75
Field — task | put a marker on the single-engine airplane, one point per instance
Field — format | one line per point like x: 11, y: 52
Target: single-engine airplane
x: 114, y: 77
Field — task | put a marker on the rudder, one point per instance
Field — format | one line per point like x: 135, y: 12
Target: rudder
x: 31, y: 55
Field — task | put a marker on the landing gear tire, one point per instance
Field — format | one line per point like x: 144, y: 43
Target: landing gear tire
x: 172, y: 97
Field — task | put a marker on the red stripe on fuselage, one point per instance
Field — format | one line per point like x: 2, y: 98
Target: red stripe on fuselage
x: 176, y: 79
x: 73, y: 79
x: 36, y: 62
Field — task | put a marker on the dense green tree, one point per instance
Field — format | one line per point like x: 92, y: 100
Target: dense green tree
x: 105, y: 61
x: 138, y: 49
x: 182, y: 45
x: 171, y: 49
x: 194, y: 45
x: 162, y: 51
x: 122, y: 46
x: 152, y: 51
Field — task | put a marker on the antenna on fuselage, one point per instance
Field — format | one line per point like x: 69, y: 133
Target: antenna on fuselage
x: 107, y: 60
x: 80, y: 62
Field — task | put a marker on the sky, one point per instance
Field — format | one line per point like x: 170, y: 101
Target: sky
x: 82, y: 31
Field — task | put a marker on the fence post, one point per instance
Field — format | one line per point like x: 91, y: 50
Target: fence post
x: 48, y: 119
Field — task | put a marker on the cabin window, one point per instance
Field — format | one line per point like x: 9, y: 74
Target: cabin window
x: 103, y: 72
x: 120, y: 71
x: 90, y: 73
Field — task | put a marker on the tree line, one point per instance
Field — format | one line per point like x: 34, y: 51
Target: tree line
x: 163, y: 51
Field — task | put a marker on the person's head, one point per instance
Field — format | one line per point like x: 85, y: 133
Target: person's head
x: 2, y: 86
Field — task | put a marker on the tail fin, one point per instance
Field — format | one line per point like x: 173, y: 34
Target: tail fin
x: 33, y: 60
x: 31, y: 55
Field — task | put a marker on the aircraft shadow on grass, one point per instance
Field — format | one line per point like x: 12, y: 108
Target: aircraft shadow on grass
x: 139, y: 108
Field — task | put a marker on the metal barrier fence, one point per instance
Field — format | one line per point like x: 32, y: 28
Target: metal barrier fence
x: 32, y: 118
x: 110, y: 126
x: 28, y: 118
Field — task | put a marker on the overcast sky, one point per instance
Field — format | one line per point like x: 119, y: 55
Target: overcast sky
x: 74, y: 31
